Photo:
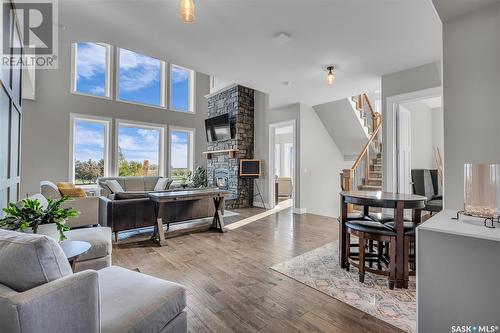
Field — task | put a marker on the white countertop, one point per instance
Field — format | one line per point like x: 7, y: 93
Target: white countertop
x: 465, y: 226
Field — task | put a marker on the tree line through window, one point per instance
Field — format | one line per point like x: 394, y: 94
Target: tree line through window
x: 138, y: 148
x: 141, y: 79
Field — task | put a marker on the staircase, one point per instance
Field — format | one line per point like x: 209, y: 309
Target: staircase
x: 366, y: 172
x: 374, y: 182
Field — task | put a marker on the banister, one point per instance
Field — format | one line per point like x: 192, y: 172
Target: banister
x: 366, y: 147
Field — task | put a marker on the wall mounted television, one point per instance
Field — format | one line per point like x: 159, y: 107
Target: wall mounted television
x: 218, y: 128
x: 250, y: 168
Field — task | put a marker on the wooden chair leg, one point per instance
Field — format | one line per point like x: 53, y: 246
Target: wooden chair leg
x: 392, y: 262
x: 361, y: 261
x: 414, y: 262
x: 380, y: 253
x: 370, y: 250
x: 347, y: 250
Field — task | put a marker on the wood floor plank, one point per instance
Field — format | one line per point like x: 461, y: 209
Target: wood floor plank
x: 231, y: 287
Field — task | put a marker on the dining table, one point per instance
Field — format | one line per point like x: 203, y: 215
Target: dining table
x: 399, y: 202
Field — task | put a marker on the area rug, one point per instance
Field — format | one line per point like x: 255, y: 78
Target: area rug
x: 319, y: 269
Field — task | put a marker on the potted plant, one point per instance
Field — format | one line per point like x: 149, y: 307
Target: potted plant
x: 199, y: 177
x: 30, y: 216
x: 184, y: 181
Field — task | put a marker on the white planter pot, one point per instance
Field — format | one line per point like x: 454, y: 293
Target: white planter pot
x: 47, y: 230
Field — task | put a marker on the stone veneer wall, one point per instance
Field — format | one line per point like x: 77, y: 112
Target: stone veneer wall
x: 238, y: 101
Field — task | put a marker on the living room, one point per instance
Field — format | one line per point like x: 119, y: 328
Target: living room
x: 180, y: 148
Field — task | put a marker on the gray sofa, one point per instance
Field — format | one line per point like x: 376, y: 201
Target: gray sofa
x: 39, y: 293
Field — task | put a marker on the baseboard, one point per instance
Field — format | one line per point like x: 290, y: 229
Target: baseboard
x: 299, y: 211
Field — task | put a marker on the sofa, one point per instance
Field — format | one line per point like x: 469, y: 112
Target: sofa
x: 85, y: 227
x: 426, y: 183
x: 132, y: 209
x: 44, y: 295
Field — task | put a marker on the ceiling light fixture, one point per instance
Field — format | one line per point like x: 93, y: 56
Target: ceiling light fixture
x: 330, y: 77
x: 187, y: 11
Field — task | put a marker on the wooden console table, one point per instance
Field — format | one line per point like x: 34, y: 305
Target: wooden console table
x: 161, y: 198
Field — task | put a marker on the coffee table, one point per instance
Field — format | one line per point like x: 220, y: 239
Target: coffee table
x: 74, y: 249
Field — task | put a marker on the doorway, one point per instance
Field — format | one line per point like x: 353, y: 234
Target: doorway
x: 282, y: 169
x: 416, y: 130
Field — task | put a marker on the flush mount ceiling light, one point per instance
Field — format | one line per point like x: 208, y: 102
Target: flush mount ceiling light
x: 330, y: 77
x: 187, y: 11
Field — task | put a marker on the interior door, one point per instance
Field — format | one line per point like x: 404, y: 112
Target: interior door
x: 403, y: 129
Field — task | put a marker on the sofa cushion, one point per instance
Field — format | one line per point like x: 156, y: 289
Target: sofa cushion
x: 74, y: 192
x: 30, y: 260
x: 133, y: 184
x: 163, y: 184
x: 98, y: 237
x: 130, y: 195
x: 147, y: 305
x: 114, y: 186
x: 150, y: 182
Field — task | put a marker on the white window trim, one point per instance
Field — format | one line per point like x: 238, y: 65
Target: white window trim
x: 109, y: 70
x: 140, y: 124
x: 192, y: 134
x: 192, y: 90
x: 107, y: 131
x: 163, y: 77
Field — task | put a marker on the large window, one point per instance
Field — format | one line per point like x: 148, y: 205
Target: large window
x: 181, y: 89
x: 140, y: 149
x: 140, y: 79
x: 181, y: 152
x: 91, y: 69
x: 89, y: 155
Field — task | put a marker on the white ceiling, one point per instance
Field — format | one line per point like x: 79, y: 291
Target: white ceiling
x: 234, y: 40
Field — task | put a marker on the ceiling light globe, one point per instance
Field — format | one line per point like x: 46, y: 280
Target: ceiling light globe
x: 187, y: 11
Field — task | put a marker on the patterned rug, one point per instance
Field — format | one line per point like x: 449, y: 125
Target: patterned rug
x: 319, y: 269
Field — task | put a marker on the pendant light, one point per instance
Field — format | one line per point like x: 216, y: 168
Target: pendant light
x: 187, y: 11
x: 330, y: 77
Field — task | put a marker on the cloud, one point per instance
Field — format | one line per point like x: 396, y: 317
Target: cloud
x: 179, y: 74
x: 86, y: 154
x: 179, y: 155
x: 139, y: 144
x: 91, y: 60
x: 138, y: 71
x: 86, y: 136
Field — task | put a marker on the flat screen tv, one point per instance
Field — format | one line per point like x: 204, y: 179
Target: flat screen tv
x: 218, y: 128
x: 250, y: 168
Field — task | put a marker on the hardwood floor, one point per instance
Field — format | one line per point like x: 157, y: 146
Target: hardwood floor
x: 231, y: 287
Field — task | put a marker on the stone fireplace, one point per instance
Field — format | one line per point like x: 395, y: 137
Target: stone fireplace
x: 222, y: 168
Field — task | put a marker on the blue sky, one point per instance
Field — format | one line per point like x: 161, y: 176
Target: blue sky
x: 139, y: 144
x: 139, y: 76
x: 179, y: 149
x: 89, y: 141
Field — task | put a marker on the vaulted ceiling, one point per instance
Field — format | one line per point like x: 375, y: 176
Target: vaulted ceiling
x: 235, y: 40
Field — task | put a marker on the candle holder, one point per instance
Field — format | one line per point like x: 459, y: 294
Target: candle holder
x: 481, y: 192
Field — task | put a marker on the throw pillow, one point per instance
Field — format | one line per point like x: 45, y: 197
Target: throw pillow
x: 65, y: 185
x: 162, y: 184
x: 74, y: 192
x: 114, y: 186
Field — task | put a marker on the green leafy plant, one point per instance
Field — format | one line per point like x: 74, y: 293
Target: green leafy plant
x: 199, y: 177
x: 31, y: 215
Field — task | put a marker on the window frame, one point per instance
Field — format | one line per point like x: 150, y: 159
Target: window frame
x: 108, y: 81
x: 145, y: 125
x: 192, y: 89
x: 108, y: 123
x: 192, y: 152
x: 163, y: 81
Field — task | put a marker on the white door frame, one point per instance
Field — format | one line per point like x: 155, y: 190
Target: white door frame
x: 393, y: 102
x: 271, y: 182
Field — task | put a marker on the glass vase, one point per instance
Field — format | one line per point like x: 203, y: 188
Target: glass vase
x: 481, y: 187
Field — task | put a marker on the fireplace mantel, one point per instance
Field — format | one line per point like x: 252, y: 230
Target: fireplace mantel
x: 230, y: 152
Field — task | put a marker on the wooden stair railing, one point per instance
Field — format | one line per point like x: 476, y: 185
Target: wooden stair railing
x: 348, y: 175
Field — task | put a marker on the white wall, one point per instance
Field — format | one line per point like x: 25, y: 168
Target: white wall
x: 437, y: 131
x: 471, y: 76
x: 320, y: 164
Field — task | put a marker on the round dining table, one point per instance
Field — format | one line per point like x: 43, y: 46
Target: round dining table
x: 397, y: 201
